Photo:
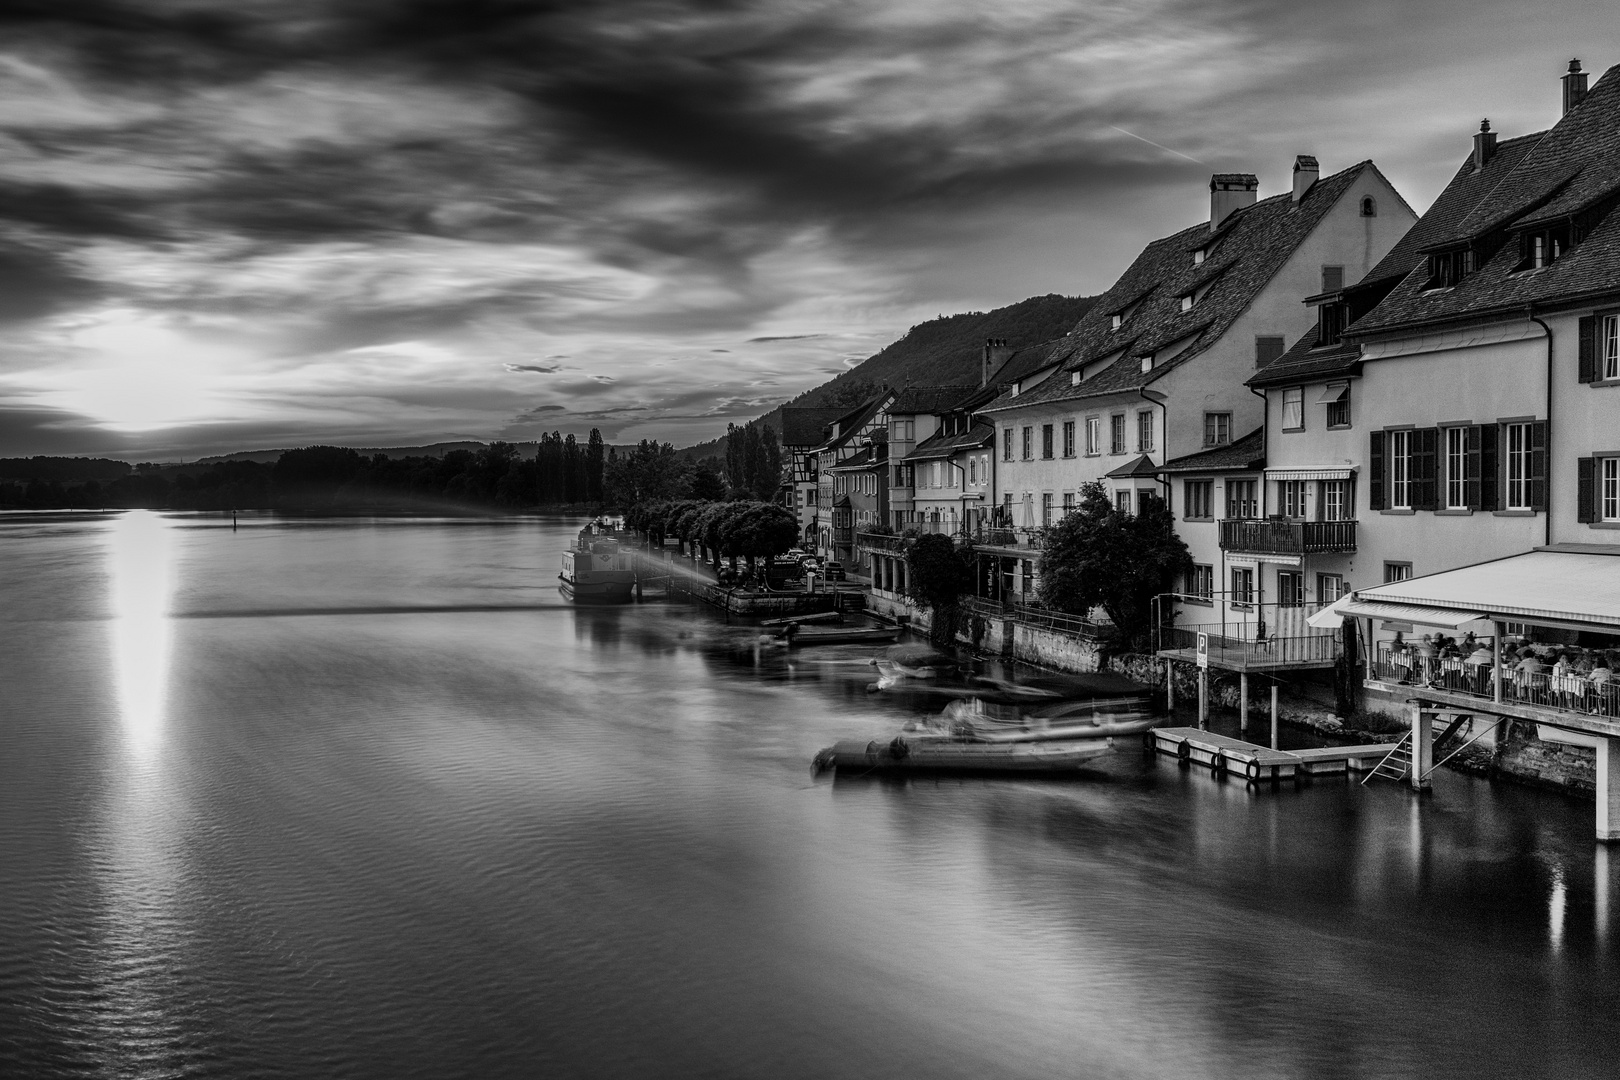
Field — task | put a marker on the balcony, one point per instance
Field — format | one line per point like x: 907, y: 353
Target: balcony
x: 1279, y: 536
x: 1234, y: 648
x: 881, y: 542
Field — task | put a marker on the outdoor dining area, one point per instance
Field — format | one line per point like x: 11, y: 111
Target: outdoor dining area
x: 1576, y: 676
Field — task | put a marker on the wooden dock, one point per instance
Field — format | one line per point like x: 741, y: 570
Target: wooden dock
x: 1254, y: 763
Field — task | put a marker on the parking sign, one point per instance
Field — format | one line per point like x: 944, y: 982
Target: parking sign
x: 1203, y: 650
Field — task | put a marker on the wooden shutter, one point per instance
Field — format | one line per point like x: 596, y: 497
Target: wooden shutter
x: 1588, y: 349
x: 1471, y: 468
x: 1586, y: 489
x: 1425, y: 447
x: 1376, y: 483
x: 1538, y: 465
x: 1490, y: 487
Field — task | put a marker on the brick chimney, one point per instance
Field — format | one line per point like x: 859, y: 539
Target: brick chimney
x: 1574, y: 85
x: 1229, y: 192
x: 996, y: 353
x: 1484, y: 144
x: 1306, y: 171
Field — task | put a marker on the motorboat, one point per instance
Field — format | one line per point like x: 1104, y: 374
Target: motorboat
x: 597, y: 568
x: 911, y: 663
x: 854, y: 756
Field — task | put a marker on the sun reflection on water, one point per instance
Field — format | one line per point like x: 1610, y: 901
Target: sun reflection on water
x: 140, y: 560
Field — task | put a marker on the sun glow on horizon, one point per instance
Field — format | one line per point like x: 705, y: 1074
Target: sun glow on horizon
x: 141, y: 557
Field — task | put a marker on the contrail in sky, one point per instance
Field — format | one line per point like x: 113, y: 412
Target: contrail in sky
x: 1150, y: 142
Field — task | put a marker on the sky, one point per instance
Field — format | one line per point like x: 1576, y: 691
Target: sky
x: 245, y: 224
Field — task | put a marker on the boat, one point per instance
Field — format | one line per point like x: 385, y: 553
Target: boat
x: 597, y: 568
x: 927, y: 756
x: 911, y: 663
x: 855, y: 635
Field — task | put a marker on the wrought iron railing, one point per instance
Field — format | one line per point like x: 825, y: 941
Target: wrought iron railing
x: 1233, y: 650
x: 1279, y: 536
x: 880, y: 541
x: 1567, y: 693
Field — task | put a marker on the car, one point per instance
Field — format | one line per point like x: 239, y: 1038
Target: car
x: 835, y: 571
x: 795, y: 555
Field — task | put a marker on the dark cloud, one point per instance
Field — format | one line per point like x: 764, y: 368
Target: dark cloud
x: 543, y: 369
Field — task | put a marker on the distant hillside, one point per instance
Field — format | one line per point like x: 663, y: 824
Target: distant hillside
x: 941, y: 352
x: 62, y: 469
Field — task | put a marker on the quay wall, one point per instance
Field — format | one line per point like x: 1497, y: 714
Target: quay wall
x: 1513, y: 752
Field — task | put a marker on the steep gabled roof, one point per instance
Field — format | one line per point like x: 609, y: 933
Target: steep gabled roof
x: 851, y: 422
x: 1252, y: 245
x: 928, y: 400
x: 1305, y: 363
x: 861, y: 459
x: 943, y: 446
x: 1572, y: 167
x: 1245, y: 455
x: 806, y: 427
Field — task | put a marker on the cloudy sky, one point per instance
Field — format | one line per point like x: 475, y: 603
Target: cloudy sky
x: 233, y: 224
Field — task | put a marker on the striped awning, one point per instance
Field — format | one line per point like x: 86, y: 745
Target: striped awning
x: 1309, y: 474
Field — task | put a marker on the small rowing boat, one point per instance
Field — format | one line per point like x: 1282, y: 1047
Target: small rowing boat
x: 851, y: 636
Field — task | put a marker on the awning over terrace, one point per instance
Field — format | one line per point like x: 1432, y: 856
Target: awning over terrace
x: 1570, y: 585
x: 1406, y: 613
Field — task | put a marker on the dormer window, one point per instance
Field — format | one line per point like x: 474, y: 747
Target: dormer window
x: 1543, y: 247
x: 1117, y: 320
x: 1187, y: 302
x: 1447, y: 268
x: 1198, y: 257
x: 1329, y: 324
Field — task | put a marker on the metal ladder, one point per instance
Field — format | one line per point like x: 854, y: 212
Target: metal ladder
x: 1395, y: 765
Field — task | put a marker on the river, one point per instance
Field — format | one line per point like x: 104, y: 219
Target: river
x: 366, y: 798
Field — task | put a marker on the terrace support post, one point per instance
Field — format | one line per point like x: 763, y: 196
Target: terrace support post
x: 1608, y: 789
x: 1422, y: 747
x: 1243, y: 701
x: 1203, y: 699
x: 1496, y: 662
x: 1274, y: 745
x: 1170, y: 684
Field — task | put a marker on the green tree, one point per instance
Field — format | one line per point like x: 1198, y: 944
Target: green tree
x: 937, y: 574
x: 595, y: 465
x: 1100, y: 557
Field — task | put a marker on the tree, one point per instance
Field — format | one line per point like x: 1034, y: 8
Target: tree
x: 595, y: 464
x: 1101, y: 557
x: 706, y: 481
x: 937, y: 574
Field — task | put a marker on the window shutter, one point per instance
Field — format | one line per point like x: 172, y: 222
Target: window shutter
x: 1489, y: 477
x: 1375, y: 472
x: 1471, y: 468
x: 1423, y: 468
x: 1588, y: 349
x: 1538, y: 465
x: 1586, y: 489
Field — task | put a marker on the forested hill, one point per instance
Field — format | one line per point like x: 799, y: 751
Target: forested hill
x: 940, y: 352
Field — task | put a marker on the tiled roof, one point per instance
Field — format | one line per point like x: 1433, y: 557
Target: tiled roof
x: 943, y: 446
x: 1305, y: 362
x: 851, y: 422
x: 861, y: 459
x: 1141, y: 466
x: 1253, y: 245
x: 806, y: 427
x: 929, y: 400
x: 1574, y: 164
x: 1244, y: 455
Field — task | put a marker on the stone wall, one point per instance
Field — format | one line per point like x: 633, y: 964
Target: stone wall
x: 1521, y: 755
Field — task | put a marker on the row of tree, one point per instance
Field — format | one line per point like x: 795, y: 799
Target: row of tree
x: 753, y: 461
x: 746, y: 529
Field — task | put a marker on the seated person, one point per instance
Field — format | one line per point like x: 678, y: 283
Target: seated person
x: 1601, y: 672
x: 1530, y: 664
x: 1480, y: 657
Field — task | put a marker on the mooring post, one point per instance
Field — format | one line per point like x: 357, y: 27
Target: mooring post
x: 1169, y: 684
x: 1203, y: 699
x: 1274, y: 745
x: 1243, y: 701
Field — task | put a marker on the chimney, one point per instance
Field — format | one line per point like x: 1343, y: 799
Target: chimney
x: 1306, y: 170
x: 996, y: 353
x: 1484, y: 144
x: 1229, y: 192
x: 1574, y: 85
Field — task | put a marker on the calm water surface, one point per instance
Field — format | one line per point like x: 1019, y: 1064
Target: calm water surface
x: 366, y: 798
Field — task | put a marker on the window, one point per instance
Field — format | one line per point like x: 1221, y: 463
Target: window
x: 1006, y: 505
x: 1449, y: 267
x: 1400, y: 470
x: 1609, y: 348
x: 1290, y: 588
x: 1517, y: 443
x: 1093, y: 435
x: 1240, y: 499
x: 1116, y: 320
x: 1369, y: 207
x: 1267, y: 349
x: 1329, y: 587
x: 1338, y: 405
x: 973, y: 471
x: 1293, y: 499
x: 1543, y: 247
x: 1332, y: 278
x: 1046, y: 508
x: 1200, y: 499
x: 1397, y: 571
x: 1046, y: 441
x: 1611, y: 488
x: 934, y: 470
x: 1029, y: 444
x: 1143, y: 495
x: 903, y: 430
x: 1006, y: 444
x: 1187, y: 302
x: 1068, y: 503
x: 1456, y: 468
x: 1116, y: 433
x: 1122, y: 501
x: 1329, y: 324
x: 1217, y: 428
x: 1201, y: 582
x: 1335, y: 500
x: 1144, y: 431
x: 1293, y: 409
x: 1242, y: 584
x: 1068, y: 438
